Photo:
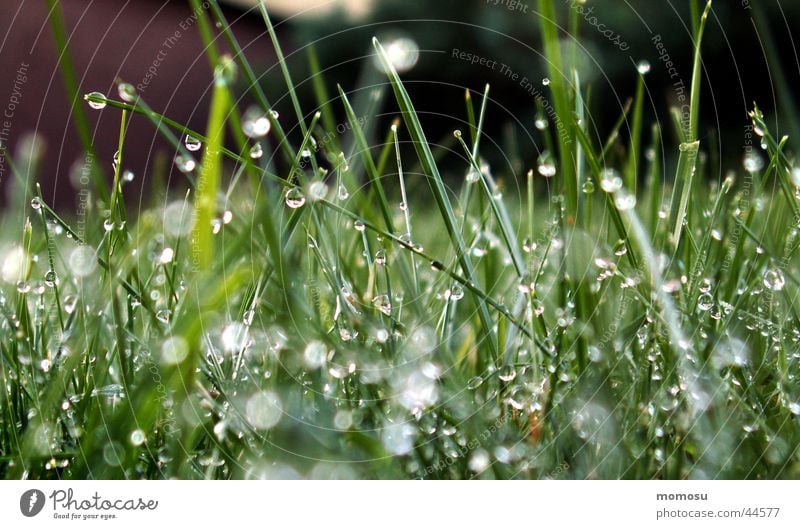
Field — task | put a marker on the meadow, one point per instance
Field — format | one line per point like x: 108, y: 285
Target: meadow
x: 315, y: 297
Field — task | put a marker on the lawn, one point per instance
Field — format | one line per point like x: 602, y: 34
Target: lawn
x: 320, y: 294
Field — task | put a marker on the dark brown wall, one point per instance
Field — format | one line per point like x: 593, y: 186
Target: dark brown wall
x: 109, y: 39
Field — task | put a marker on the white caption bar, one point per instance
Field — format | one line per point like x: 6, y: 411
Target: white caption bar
x: 122, y: 504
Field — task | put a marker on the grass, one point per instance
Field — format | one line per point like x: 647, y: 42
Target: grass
x: 308, y: 312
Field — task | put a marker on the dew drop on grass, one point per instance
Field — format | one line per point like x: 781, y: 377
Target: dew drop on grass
x: 383, y: 304
x: 380, y: 257
x: 128, y: 176
x: 192, y: 144
x: 50, y: 278
x: 255, y: 124
x: 794, y: 407
x: 36, y: 203
x: 174, y: 350
x: 317, y: 190
x: 234, y: 337
x: 796, y: 176
x: 163, y: 315
x: 643, y: 67
x: 263, y: 410
x: 82, y: 261
x: 70, y: 302
x: 546, y: 82
x: 359, y: 225
x: 610, y: 181
x: 177, y: 219
x: 343, y: 194
x: 166, y: 256
x: 185, y: 163
x: 343, y: 419
x: 474, y: 383
x: 137, y: 437
x: 127, y: 92
x: 752, y: 162
x: 546, y: 165
x: 295, y: 198
x: 624, y: 201
x: 96, y: 105
x: 398, y: 438
x: 705, y: 302
x: 774, y: 279
x: 507, y: 373
x: 403, y: 54
x: 315, y: 354
x: 456, y: 292
x: 588, y: 186
x: 479, y: 461
x: 256, y: 151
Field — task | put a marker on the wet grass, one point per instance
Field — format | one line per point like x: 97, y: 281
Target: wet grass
x: 291, y: 309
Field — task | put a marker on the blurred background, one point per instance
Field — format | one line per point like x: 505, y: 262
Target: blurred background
x: 749, y: 55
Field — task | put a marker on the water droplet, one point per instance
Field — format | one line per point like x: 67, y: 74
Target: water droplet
x: 317, y: 190
x: 546, y: 82
x: 643, y: 67
x: 546, y: 165
x: 398, y: 438
x: 794, y: 407
x: 82, y: 261
x: 383, y: 304
x: 96, y: 105
x: 796, y: 176
x: 610, y: 181
x: 705, y: 302
x: 174, y: 350
x: 295, y: 198
x: 474, y: 383
x: 192, y: 144
x: 166, y: 255
x: 177, y: 219
x: 36, y: 203
x: 588, y: 186
x: 752, y: 162
x: 380, y: 257
x: 70, y: 302
x: 128, y: 175
x: 263, y: 410
x: 507, y: 373
x: 774, y: 279
x: 137, y: 438
x: 255, y: 124
x: 456, y: 292
x: 163, y: 315
x: 50, y: 278
x: 344, y: 194
x: 479, y: 461
x: 256, y: 151
x: 624, y: 201
x: 358, y: 225
x: 403, y: 54
x: 185, y: 163
x: 315, y: 354
x: 127, y: 92
x: 234, y: 337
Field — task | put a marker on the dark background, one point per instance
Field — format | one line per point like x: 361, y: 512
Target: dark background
x: 113, y: 39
